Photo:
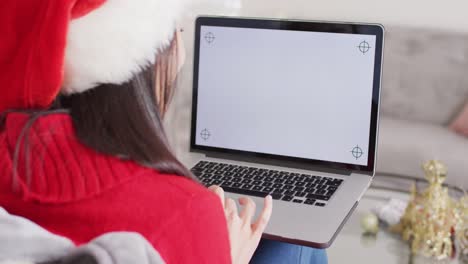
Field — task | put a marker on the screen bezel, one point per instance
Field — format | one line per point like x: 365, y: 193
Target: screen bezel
x: 295, y: 25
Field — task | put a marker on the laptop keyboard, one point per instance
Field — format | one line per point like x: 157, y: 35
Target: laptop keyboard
x: 281, y: 185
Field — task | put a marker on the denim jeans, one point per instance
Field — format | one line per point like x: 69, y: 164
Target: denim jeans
x: 274, y: 252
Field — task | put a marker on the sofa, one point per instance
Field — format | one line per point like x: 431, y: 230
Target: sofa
x: 425, y: 84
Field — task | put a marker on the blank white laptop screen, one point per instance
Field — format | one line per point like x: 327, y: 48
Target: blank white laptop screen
x: 289, y: 93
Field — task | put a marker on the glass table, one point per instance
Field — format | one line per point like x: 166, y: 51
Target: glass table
x: 351, y: 246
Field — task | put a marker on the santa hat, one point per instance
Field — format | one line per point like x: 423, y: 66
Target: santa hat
x: 49, y: 47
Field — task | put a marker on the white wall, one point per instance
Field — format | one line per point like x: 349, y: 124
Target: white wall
x: 444, y: 14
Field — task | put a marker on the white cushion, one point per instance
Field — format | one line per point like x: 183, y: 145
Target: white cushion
x: 405, y: 145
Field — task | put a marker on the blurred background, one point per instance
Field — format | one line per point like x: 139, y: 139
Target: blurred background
x: 425, y: 80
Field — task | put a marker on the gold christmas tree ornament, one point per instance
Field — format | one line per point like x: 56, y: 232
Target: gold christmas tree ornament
x: 432, y: 219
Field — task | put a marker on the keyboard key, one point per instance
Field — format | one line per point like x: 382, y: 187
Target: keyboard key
x: 289, y: 192
x: 300, y: 194
x: 318, y: 197
x: 257, y: 188
x: 321, y: 187
x: 300, y: 183
x: 267, y: 184
x: 309, y: 201
x: 321, y: 191
x: 237, y: 185
x: 297, y: 201
x: 247, y: 176
x: 197, y: 167
x: 335, y: 183
x: 278, y: 190
x: 267, y: 189
x: 247, y: 186
x: 257, y: 182
x: 311, y: 185
x: 276, y: 196
x: 299, y: 189
x: 279, y: 180
x: 197, y: 173
x: 331, y: 191
x: 216, y: 182
x: 246, y: 181
x: 287, y: 198
x: 329, y: 182
x: 320, y: 204
x: 288, y: 187
x: 277, y: 185
x: 309, y: 190
x: 297, y: 179
x: 246, y: 192
x: 236, y: 179
x: 227, y: 183
x: 289, y: 182
x: 207, y: 182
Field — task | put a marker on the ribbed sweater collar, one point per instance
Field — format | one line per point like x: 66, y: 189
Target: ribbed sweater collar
x: 53, y: 166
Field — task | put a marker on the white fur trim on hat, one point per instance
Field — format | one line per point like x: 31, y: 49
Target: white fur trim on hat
x: 116, y: 41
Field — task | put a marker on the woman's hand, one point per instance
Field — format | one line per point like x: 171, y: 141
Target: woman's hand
x: 244, y: 234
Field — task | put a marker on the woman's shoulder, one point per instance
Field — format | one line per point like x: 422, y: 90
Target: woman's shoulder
x: 167, y: 195
x: 175, y: 186
x: 193, y: 220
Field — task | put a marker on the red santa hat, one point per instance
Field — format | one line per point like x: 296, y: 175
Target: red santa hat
x: 49, y: 47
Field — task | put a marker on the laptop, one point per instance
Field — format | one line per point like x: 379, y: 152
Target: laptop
x: 291, y: 109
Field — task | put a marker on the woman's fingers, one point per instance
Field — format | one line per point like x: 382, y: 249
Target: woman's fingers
x: 248, y: 211
x: 218, y: 191
x: 230, y: 208
x: 262, y: 221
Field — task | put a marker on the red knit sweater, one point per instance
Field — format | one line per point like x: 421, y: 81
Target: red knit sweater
x: 75, y: 192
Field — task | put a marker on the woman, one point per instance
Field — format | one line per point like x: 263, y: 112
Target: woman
x: 82, y: 148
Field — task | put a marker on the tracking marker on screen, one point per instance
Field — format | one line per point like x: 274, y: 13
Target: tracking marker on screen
x: 357, y: 152
x: 205, y: 134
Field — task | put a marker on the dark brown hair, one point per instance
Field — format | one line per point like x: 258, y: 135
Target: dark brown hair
x: 124, y: 121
